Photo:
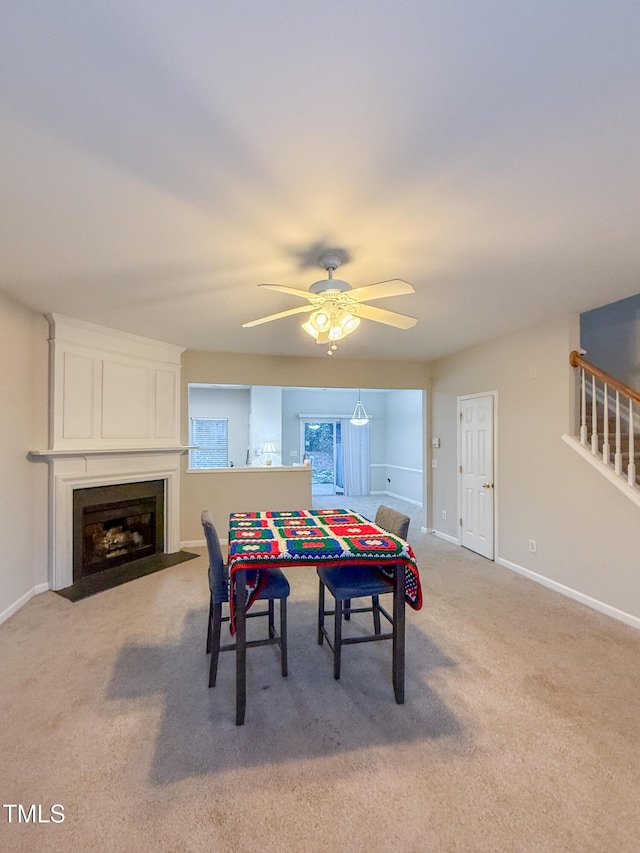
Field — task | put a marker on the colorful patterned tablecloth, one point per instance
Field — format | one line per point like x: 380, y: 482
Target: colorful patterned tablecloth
x: 311, y: 536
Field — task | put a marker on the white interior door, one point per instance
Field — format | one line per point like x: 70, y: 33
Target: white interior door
x: 476, y: 474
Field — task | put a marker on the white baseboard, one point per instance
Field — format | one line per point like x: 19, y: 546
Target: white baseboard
x: 13, y: 608
x: 593, y: 603
x: 398, y: 497
x: 441, y: 535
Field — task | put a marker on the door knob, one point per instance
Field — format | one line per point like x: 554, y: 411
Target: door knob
x: 487, y: 485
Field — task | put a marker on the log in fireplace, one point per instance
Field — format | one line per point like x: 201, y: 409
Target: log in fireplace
x: 116, y: 524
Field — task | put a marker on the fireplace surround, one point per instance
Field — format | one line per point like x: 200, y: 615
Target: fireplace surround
x: 70, y: 471
x: 114, y: 421
x: 116, y: 524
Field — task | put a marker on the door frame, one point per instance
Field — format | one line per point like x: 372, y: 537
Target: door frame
x: 496, y: 526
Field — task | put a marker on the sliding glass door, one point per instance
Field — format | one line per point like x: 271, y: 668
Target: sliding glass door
x: 322, y: 446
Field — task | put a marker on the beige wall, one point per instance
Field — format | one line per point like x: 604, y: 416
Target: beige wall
x: 327, y: 372
x: 23, y: 427
x: 240, y: 490
x: 211, y: 490
x: 587, y: 532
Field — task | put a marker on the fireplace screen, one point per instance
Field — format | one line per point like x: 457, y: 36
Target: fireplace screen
x: 116, y: 524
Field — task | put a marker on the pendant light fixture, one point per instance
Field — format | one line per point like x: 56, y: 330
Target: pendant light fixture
x: 359, y: 416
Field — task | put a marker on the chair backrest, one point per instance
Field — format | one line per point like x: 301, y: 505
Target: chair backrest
x: 217, y: 580
x: 393, y: 521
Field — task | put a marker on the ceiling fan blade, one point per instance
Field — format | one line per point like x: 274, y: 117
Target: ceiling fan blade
x: 393, y: 287
x: 281, y: 288
x: 300, y: 310
x: 381, y: 315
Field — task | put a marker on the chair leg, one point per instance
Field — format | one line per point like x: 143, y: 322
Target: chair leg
x: 216, y: 625
x: 347, y: 609
x: 283, y: 636
x: 375, y: 600
x: 337, y: 640
x: 272, y: 624
x: 320, y: 613
x: 210, y: 625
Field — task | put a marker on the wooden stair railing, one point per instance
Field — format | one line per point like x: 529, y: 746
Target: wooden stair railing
x: 606, y: 413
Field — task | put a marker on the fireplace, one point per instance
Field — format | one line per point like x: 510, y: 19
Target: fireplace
x: 116, y: 524
x: 114, y: 419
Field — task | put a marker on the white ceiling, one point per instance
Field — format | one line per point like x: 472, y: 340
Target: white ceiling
x: 158, y: 160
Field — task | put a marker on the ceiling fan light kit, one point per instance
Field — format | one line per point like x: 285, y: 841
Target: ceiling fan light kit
x: 331, y: 323
x: 336, y: 308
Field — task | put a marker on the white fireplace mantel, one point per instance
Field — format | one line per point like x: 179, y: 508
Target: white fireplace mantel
x: 109, y: 451
x: 77, y: 469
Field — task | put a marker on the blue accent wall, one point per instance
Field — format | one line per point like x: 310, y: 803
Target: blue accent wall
x: 611, y: 337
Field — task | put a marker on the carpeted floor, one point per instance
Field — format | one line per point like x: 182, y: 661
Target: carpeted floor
x: 520, y: 732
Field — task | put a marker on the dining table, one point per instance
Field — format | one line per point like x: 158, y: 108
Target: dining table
x: 309, y: 537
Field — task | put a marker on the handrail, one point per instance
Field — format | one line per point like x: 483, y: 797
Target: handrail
x: 597, y: 406
x: 576, y: 360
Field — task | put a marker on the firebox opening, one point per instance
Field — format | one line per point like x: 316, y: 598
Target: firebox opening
x: 117, y: 524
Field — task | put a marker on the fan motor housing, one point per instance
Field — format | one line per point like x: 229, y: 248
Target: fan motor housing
x: 329, y: 284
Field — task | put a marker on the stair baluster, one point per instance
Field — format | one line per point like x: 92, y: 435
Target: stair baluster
x: 618, y: 456
x: 594, y: 417
x: 606, y: 450
x: 631, y: 470
x: 583, y: 406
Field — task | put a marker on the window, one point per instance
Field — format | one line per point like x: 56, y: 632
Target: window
x: 210, y: 435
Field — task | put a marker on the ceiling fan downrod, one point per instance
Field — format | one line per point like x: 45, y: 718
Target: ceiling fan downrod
x: 330, y: 261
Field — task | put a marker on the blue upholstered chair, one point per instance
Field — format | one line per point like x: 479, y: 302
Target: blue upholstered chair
x: 275, y: 586
x: 348, y: 582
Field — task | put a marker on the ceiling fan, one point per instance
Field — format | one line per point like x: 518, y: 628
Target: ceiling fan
x: 335, y: 308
